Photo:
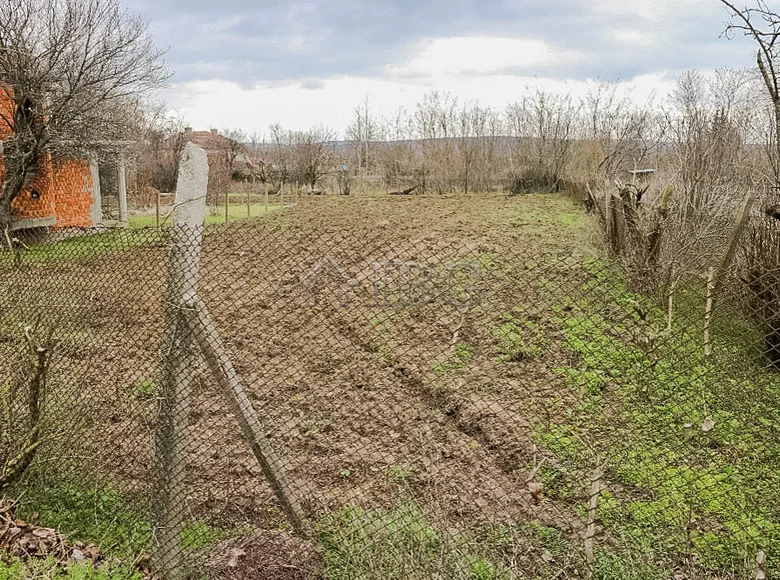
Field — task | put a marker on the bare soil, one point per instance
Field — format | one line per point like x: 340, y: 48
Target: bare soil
x: 367, y: 400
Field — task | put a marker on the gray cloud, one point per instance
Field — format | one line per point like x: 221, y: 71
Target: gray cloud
x: 277, y: 41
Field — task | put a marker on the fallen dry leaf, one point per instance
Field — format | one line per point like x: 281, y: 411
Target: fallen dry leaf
x: 235, y: 554
x: 535, y: 488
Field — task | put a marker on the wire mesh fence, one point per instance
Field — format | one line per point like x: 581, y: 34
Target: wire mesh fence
x: 372, y: 402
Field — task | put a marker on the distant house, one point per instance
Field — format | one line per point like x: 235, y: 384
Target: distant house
x: 226, y: 159
x: 66, y: 192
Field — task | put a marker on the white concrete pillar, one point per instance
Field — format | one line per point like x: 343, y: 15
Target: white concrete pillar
x: 123, y: 218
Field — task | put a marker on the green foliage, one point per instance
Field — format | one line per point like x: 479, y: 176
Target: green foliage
x: 82, y: 247
x: 201, y: 533
x: 628, y: 566
x: 463, y: 351
x: 236, y: 212
x: 482, y: 569
x: 98, y: 515
x: 519, y: 339
x: 562, y: 440
x: 398, y: 474
x: 460, y: 360
x: 145, y: 390
x: 104, y: 517
x: 15, y: 569
x: 400, y: 544
x: 708, y: 495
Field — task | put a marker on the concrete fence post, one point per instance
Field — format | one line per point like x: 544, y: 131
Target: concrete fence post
x: 179, y: 361
x: 122, y: 190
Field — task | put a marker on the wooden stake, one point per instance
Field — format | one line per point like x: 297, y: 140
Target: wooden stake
x: 741, y: 220
x: 670, y: 312
x: 221, y: 367
x: 708, y: 310
x: 761, y: 565
x: 157, y: 210
x: 593, y: 503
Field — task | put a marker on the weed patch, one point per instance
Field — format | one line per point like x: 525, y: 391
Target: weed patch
x: 402, y: 543
x: 701, y: 494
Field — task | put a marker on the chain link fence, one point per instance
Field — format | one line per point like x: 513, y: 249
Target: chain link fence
x: 370, y: 400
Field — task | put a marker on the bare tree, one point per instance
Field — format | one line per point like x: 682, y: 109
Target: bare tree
x: 21, y: 407
x: 397, y: 157
x: 542, y: 128
x: 233, y: 146
x: 763, y: 25
x: 435, y: 121
x: 256, y: 150
x: 363, y: 130
x: 155, y: 152
x: 614, y: 135
x: 472, y: 127
x: 70, y: 69
x: 706, y: 145
x: 280, y: 157
x: 311, y: 154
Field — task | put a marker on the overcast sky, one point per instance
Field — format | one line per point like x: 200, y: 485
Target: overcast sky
x: 250, y: 63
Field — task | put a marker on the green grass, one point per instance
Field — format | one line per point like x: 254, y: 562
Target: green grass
x: 114, y: 240
x: 100, y: 515
x: 236, y: 212
x: 519, y: 339
x: 460, y: 359
x: 372, y: 544
x: 548, y: 220
x: 714, y: 496
x: 93, y: 515
x: 82, y: 247
x: 16, y: 569
x: 202, y: 533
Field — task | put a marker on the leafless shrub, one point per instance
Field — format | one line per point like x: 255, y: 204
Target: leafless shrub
x: 759, y: 270
x: 301, y: 157
x: 154, y: 155
x: 542, y: 129
x: 22, y: 400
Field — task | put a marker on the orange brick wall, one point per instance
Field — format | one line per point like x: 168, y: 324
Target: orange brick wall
x: 72, y: 193
x: 7, y: 108
x: 25, y: 207
x: 65, y: 188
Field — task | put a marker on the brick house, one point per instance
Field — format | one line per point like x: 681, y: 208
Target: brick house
x: 216, y: 146
x: 219, y: 148
x: 65, y: 192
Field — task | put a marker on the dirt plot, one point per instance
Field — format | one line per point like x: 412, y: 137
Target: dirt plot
x: 399, y: 351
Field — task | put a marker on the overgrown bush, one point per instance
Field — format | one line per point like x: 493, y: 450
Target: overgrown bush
x: 759, y: 261
x: 533, y: 180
